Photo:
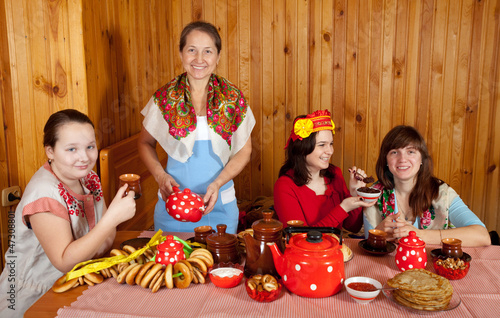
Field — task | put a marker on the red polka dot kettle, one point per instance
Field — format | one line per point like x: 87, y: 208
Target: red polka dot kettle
x: 185, y: 206
x: 170, y: 251
x: 411, y: 252
x: 312, y: 264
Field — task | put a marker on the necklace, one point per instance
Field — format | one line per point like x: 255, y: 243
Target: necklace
x: 202, y: 111
x: 400, y: 208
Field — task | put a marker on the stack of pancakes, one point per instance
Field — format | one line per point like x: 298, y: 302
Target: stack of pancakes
x: 421, y: 289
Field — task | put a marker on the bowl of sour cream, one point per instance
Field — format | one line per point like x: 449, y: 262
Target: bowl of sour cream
x: 226, y: 275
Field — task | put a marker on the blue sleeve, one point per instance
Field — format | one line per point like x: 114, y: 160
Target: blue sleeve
x: 460, y: 215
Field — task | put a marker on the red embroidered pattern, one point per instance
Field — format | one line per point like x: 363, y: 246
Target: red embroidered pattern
x: 75, y: 207
x: 226, y: 107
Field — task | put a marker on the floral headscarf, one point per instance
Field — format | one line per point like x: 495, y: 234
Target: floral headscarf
x: 226, y: 107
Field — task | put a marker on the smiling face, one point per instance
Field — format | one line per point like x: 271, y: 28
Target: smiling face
x: 75, y: 152
x: 199, y: 56
x: 404, y: 163
x: 319, y: 159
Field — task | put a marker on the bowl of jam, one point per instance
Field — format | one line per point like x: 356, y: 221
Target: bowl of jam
x: 362, y: 289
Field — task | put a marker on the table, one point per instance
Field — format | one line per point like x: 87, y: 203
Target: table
x: 48, y: 305
x: 479, y: 292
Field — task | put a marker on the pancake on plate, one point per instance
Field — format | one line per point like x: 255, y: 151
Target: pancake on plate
x: 421, y: 289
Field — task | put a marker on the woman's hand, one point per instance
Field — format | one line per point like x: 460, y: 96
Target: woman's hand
x: 353, y: 203
x: 210, y: 197
x: 396, y: 227
x: 166, y: 182
x: 122, y: 208
x: 354, y: 183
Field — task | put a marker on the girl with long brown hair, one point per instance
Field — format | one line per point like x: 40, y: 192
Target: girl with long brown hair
x: 414, y: 200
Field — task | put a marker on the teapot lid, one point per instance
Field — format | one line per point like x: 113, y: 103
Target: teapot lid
x: 267, y: 224
x: 314, y: 241
x: 412, y: 240
x: 221, y: 238
x: 170, y: 244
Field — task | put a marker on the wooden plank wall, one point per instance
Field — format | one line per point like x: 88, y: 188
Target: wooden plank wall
x: 375, y: 64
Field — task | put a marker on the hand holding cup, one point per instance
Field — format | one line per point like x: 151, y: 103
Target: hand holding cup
x: 134, y: 184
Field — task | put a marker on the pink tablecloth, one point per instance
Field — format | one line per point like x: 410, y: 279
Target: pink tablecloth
x: 479, y: 292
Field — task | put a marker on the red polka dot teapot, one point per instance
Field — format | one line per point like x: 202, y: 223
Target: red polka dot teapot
x: 184, y: 205
x: 411, y: 252
x: 170, y: 251
x: 312, y: 264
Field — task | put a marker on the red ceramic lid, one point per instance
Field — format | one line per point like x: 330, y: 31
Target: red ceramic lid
x: 412, y: 240
x: 170, y: 244
x: 314, y: 241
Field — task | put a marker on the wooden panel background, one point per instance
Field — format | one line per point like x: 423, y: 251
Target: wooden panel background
x: 374, y: 64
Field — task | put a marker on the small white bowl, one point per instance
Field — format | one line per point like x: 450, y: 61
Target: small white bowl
x: 362, y: 297
x: 368, y: 197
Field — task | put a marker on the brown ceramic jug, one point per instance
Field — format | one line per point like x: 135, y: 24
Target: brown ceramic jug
x: 223, y: 245
x: 259, y: 256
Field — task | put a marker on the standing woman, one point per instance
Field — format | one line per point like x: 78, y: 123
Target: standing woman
x: 61, y: 219
x: 204, y: 123
x: 414, y: 200
x: 309, y: 188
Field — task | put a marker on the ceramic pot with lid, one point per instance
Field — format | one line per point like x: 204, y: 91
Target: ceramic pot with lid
x: 312, y: 264
x: 411, y: 252
x: 259, y: 258
x: 223, y: 246
x: 170, y: 251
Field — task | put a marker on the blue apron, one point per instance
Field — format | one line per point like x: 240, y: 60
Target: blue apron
x: 201, y: 169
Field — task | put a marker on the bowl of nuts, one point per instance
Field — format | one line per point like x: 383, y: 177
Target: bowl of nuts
x: 263, y: 288
x: 450, y: 267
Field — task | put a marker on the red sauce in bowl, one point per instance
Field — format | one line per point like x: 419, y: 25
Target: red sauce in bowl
x: 367, y: 287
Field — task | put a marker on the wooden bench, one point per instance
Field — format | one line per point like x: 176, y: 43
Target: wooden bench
x: 123, y: 157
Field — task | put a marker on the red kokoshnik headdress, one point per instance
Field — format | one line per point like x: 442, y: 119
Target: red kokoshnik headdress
x: 303, y: 127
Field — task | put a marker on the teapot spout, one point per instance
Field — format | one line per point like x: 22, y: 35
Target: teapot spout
x: 252, y: 249
x: 278, y: 258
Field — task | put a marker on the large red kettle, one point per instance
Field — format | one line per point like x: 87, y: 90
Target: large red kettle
x: 184, y: 205
x: 312, y: 264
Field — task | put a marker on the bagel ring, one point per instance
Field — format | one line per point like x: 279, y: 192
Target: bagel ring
x: 150, y: 274
x: 143, y: 272
x: 155, y: 278
x: 94, y: 278
x: 132, y: 274
x: 204, y: 252
x: 158, y: 283
x: 185, y: 279
x: 169, y: 281
x: 270, y: 286
x: 121, y: 278
x: 269, y: 279
x: 199, y: 275
x: 61, y: 285
x: 199, y: 264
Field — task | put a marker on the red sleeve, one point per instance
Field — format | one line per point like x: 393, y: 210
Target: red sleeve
x: 354, y: 219
x: 286, y: 202
x: 293, y: 203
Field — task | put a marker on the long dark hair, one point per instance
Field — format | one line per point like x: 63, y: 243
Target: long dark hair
x: 58, y: 119
x: 296, y: 154
x: 202, y: 26
x: 426, y: 187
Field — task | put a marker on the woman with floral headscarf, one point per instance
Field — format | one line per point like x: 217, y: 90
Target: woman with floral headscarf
x: 204, y: 123
x: 414, y: 200
x: 309, y: 188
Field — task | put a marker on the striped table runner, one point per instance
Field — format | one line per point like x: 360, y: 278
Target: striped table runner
x: 479, y: 292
